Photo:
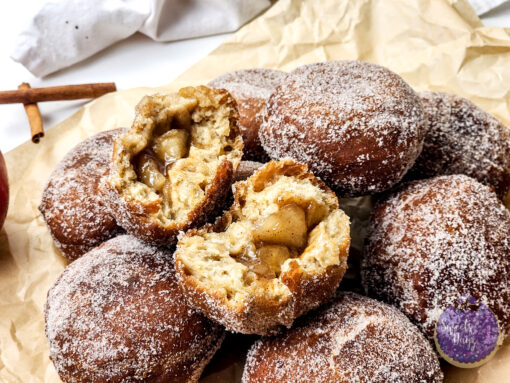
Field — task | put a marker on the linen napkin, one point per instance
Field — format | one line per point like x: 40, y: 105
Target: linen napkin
x: 64, y: 32
x: 484, y: 6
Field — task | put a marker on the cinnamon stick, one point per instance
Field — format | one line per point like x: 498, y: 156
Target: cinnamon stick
x: 56, y: 93
x: 34, y: 117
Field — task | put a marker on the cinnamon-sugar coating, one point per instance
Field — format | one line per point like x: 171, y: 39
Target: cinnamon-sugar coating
x: 352, y: 339
x: 432, y: 242
x: 72, y: 203
x: 464, y: 139
x: 117, y: 315
x: 358, y: 126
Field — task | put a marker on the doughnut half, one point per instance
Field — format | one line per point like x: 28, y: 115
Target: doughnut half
x: 279, y: 252
x: 172, y: 169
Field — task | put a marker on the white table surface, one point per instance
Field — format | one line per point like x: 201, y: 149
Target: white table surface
x: 134, y: 62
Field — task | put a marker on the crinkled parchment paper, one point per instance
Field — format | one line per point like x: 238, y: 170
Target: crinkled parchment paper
x: 436, y: 45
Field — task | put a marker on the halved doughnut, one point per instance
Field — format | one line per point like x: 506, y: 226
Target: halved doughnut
x: 172, y: 169
x: 279, y: 251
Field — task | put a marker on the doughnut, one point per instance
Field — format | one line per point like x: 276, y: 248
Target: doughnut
x: 117, y: 314
x: 434, y: 241
x: 172, y: 169
x: 72, y: 204
x: 246, y: 169
x: 279, y: 252
x: 352, y: 339
x: 250, y: 88
x: 463, y: 139
x: 358, y: 126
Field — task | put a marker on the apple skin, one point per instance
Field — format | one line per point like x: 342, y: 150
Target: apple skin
x: 4, y: 191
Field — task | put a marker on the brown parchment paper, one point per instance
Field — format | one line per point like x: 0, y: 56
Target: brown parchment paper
x: 433, y: 44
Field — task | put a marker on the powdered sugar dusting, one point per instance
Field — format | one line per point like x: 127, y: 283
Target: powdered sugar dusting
x: 71, y: 203
x: 354, y: 339
x: 249, y: 83
x: 357, y: 125
x: 436, y: 240
x: 464, y: 139
x: 117, y: 314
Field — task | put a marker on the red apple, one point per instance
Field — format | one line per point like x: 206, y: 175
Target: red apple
x: 4, y: 191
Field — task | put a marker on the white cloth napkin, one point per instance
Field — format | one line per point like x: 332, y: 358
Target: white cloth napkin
x: 64, y: 32
x: 484, y: 6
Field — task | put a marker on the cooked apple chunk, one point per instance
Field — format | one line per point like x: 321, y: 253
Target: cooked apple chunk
x: 149, y: 174
x: 273, y: 256
x: 279, y: 251
x: 287, y: 227
x: 172, y: 145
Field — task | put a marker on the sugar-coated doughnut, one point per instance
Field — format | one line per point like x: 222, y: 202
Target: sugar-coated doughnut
x: 250, y: 88
x: 353, y: 339
x: 358, y: 126
x: 172, y: 169
x: 72, y: 204
x: 279, y: 252
x: 435, y: 241
x: 117, y: 315
x: 463, y: 139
